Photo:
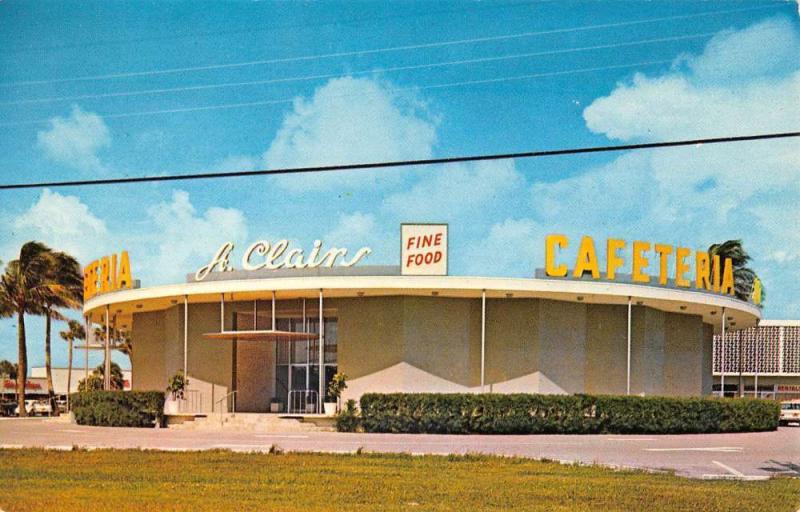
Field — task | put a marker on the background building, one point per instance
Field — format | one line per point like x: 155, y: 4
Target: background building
x: 767, y: 357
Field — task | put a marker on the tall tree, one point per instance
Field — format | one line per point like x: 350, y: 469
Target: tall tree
x: 8, y: 369
x: 744, y: 278
x: 64, y: 290
x: 75, y: 331
x: 22, y: 289
x: 744, y: 283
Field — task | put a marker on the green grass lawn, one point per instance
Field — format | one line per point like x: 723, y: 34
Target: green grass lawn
x: 215, y: 481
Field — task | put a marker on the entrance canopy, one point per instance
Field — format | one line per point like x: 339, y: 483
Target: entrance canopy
x: 710, y: 306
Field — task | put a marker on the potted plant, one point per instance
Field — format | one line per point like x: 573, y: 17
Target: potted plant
x: 176, y: 388
x: 335, y: 388
x: 275, y: 405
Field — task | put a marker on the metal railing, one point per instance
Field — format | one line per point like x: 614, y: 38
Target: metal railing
x: 302, y: 401
x: 232, y: 396
x: 191, y: 402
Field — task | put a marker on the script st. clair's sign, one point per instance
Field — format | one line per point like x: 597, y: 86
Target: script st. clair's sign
x: 107, y: 274
x: 699, y: 270
x: 265, y: 255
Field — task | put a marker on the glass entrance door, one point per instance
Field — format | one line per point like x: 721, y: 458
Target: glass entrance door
x: 297, y: 362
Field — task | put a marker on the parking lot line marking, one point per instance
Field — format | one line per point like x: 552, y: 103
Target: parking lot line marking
x: 282, y: 436
x: 722, y: 449
x: 631, y: 439
x: 728, y: 468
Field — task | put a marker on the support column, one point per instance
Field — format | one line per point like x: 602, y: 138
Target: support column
x: 628, y: 367
x: 722, y: 357
x: 273, y: 310
x: 89, y: 335
x: 321, y: 345
x: 755, y: 371
x: 483, y: 341
x: 221, y: 312
x: 107, y: 352
x: 185, y: 335
x: 740, y: 365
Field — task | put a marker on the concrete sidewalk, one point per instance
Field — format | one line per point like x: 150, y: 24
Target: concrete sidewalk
x: 744, y: 456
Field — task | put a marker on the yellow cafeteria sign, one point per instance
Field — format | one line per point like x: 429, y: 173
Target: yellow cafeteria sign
x: 690, y: 270
x: 107, y: 274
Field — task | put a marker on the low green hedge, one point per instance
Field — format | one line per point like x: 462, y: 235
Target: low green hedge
x: 562, y: 414
x: 118, y: 408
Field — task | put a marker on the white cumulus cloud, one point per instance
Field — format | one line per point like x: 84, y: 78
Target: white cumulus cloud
x: 75, y: 140
x: 699, y: 195
x: 452, y: 191
x: 350, y: 120
x: 61, y: 221
x: 181, y: 238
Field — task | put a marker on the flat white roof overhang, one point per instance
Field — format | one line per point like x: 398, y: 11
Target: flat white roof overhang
x: 124, y: 303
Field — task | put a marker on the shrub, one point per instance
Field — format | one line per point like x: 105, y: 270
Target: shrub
x: 118, y: 408
x: 562, y: 414
x: 348, y: 419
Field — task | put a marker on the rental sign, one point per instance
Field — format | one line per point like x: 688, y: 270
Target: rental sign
x: 649, y: 262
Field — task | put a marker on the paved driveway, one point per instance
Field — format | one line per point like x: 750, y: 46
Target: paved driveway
x: 750, y: 456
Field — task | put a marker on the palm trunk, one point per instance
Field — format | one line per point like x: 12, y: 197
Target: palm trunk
x: 69, y: 377
x: 51, y: 395
x: 22, y: 363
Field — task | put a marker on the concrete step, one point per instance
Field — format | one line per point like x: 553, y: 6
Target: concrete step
x: 254, y: 422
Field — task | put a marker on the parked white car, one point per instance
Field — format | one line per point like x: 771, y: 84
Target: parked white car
x: 36, y: 407
x: 790, y: 412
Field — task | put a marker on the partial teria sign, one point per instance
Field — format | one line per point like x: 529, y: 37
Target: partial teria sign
x: 424, y: 249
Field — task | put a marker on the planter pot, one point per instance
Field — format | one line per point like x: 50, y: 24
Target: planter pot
x: 275, y: 407
x: 311, y: 408
x: 330, y: 408
x: 171, y: 406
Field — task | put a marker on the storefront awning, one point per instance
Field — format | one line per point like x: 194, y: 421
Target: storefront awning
x: 268, y: 335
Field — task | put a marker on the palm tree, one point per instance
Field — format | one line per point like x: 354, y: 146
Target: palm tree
x: 744, y: 282
x: 64, y: 290
x: 74, y: 332
x: 744, y: 278
x: 22, y: 290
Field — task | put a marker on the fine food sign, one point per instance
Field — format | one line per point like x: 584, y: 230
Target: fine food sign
x: 423, y: 250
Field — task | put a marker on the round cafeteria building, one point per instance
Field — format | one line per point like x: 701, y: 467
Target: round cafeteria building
x: 257, y: 333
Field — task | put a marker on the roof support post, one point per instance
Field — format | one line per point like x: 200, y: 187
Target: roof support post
x: 107, y: 354
x: 221, y: 312
x: 755, y: 380
x: 741, y: 367
x: 483, y: 341
x: 628, y: 367
x: 722, y: 357
x: 185, y: 335
x: 273, y: 310
x: 321, y: 345
x: 89, y: 335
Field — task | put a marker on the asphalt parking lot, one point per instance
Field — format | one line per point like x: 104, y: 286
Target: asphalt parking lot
x: 751, y: 456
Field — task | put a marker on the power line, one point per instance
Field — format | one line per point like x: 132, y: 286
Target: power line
x: 377, y: 50
x: 446, y: 85
x: 400, y: 163
x: 273, y: 28
x: 479, y: 60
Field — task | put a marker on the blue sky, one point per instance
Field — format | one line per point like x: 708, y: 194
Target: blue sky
x: 476, y: 77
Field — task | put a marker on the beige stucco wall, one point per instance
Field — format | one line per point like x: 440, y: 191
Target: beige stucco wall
x: 408, y: 343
